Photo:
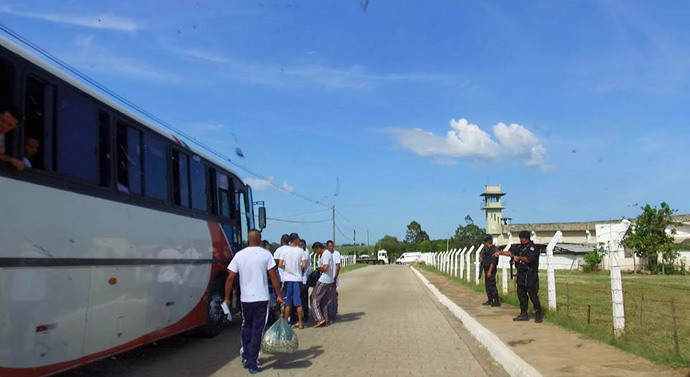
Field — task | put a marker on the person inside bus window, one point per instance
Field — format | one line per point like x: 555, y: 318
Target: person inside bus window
x: 31, y: 145
x: 8, y: 121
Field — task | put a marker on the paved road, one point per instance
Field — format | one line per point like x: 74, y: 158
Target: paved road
x: 390, y: 326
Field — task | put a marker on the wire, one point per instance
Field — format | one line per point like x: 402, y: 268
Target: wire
x: 343, y: 234
x: 299, y: 221
x: 154, y: 118
x: 307, y: 213
x: 348, y: 220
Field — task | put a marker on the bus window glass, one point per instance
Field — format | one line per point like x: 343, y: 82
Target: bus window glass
x: 224, y: 196
x: 6, y: 83
x: 77, y: 133
x: 180, y: 165
x: 128, y: 159
x: 155, y: 168
x: 38, y: 117
x: 104, y: 148
x: 6, y: 102
x: 242, y: 209
x: 224, y: 202
x: 198, y: 180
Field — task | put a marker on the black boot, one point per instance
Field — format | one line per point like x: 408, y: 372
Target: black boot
x: 495, y: 303
x: 487, y: 303
x: 538, y: 317
x: 521, y: 318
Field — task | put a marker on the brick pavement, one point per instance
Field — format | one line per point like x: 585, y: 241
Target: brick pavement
x: 390, y: 325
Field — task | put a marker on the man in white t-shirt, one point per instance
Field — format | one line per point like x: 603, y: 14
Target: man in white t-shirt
x: 252, y: 263
x: 336, y: 276
x: 284, y: 241
x: 293, y: 263
x: 322, y: 295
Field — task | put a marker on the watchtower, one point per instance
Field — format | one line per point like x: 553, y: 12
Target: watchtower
x: 493, y: 207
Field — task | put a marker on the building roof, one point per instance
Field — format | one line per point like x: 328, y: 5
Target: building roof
x: 572, y: 226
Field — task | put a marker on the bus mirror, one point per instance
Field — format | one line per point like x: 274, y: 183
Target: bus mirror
x: 262, y: 217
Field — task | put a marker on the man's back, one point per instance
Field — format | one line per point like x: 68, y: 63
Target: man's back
x: 252, y: 263
x: 292, y: 258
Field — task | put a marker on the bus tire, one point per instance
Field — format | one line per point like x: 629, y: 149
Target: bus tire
x: 215, y: 318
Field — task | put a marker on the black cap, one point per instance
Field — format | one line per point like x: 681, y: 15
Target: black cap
x: 525, y: 234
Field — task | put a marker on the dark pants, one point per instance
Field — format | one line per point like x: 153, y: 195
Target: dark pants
x: 490, y: 286
x: 530, y: 291
x: 321, y: 299
x: 253, y: 323
x: 305, y: 301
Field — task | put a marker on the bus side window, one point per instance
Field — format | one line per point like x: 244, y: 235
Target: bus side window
x: 77, y: 137
x: 128, y: 159
x: 224, y: 200
x: 39, y: 98
x: 198, y: 184
x: 7, y: 102
x: 155, y: 168
x: 180, y: 171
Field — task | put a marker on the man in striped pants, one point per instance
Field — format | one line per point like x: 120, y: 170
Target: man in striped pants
x: 322, y: 296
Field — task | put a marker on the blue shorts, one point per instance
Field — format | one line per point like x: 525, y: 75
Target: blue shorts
x: 291, y: 293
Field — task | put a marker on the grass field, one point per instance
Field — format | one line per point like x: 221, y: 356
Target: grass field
x: 657, y: 311
x: 352, y: 267
x: 348, y: 250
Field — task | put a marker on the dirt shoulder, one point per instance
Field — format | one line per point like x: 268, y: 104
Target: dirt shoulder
x: 552, y: 350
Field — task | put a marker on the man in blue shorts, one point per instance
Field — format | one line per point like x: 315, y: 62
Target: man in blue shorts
x: 293, y: 262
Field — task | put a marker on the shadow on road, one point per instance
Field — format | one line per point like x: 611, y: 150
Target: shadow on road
x: 298, y: 360
x: 350, y: 317
x: 170, y: 357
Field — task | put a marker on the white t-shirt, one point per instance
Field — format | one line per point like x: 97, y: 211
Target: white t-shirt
x: 253, y: 263
x: 277, y: 255
x: 327, y: 259
x: 305, y: 274
x: 292, y: 258
x: 336, y: 261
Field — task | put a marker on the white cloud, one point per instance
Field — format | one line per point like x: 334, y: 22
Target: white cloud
x: 90, y: 56
x: 466, y: 140
x: 94, y: 21
x: 263, y: 185
x: 320, y: 75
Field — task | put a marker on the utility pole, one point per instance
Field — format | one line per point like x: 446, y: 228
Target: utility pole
x: 448, y: 241
x: 354, y: 239
x: 333, y: 224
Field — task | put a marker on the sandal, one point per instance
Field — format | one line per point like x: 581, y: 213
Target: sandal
x: 320, y: 324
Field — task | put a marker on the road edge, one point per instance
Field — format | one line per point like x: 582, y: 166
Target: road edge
x: 509, y: 360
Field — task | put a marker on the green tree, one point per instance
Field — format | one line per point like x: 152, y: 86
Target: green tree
x: 648, y: 236
x: 391, y: 244
x: 415, y: 235
x: 467, y: 235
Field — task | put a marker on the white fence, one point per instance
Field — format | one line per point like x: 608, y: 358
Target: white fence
x: 458, y: 263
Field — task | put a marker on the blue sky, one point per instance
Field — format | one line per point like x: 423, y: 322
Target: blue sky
x: 578, y: 108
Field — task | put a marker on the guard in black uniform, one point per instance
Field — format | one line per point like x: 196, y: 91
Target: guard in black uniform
x: 526, y: 259
x: 489, y: 264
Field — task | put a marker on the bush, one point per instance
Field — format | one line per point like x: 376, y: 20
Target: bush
x: 593, y: 260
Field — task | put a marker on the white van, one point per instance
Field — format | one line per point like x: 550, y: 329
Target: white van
x: 409, y: 258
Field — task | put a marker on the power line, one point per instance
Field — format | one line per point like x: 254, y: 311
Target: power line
x: 307, y: 213
x: 152, y: 117
x: 343, y: 234
x: 350, y: 221
x: 299, y: 221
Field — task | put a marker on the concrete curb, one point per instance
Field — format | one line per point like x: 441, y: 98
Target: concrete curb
x: 509, y: 360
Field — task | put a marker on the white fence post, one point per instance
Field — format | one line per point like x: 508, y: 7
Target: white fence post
x: 505, y: 264
x: 476, y: 263
x: 550, y: 274
x: 452, y: 262
x: 469, y: 264
x: 615, y: 249
x: 457, y: 261
x: 462, y: 262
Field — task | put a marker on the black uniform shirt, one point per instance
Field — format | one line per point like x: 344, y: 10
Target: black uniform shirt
x: 488, y: 258
x: 527, y: 270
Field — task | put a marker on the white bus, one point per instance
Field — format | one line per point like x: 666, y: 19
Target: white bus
x: 118, y: 235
